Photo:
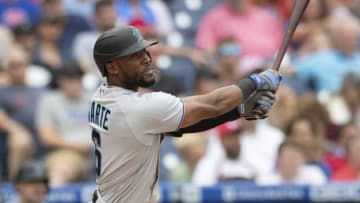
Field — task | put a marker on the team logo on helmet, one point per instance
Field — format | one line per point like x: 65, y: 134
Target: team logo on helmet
x: 137, y: 35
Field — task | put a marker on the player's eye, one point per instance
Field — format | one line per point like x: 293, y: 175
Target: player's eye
x: 138, y: 54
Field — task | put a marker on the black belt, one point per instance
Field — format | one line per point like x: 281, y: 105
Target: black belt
x: 95, y: 196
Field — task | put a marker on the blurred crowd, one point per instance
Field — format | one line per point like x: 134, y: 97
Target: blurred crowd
x: 311, y: 136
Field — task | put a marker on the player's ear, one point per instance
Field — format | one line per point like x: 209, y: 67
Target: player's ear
x: 111, y: 68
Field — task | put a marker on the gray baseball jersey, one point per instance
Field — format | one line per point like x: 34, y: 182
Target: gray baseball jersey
x: 127, y: 129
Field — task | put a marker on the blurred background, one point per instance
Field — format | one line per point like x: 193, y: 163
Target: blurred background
x: 308, y: 149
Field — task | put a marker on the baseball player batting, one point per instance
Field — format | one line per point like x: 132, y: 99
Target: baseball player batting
x: 128, y: 126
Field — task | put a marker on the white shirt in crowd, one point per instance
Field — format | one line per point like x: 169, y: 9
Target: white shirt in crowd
x: 307, y: 175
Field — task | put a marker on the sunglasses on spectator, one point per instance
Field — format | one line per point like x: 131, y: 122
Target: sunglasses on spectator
x: 229, y: 50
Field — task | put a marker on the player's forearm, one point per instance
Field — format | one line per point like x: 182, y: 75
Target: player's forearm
x: 224, y: 99
x: 216, y: 102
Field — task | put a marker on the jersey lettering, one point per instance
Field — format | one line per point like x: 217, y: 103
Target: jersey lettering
x: 99, y: 115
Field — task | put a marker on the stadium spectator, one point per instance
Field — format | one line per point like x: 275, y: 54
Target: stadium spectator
x: 36, y: 76
x: 17, y: 101
x: 64, y: 129
x: 285, y: 107
x: 191, y: 148
x: 16, y: 147
x: 338, y: 9
x: 350, y: 172
x: 344, y: 57
x: 206, y: 80
x: 46, y: 52
x: 344, y: 106
x: 305, y: 131
x: 310, y: 35
x: 104, y: 19
x: 227, y: 60
x: 291, y: 168
x: 26, y: 36
x: 336, y: 157
x: 148, y: 16
x: 163, y: 20
x: 256, y: 31
x: 259, y: 143
x: 136, y: 13
x: 32, y: 182
x: 74, y: 24
x: 82, y: 8
x: 16, y: 12
x: 228, y: 166
x: 6, y: 40
x: 355, y: 8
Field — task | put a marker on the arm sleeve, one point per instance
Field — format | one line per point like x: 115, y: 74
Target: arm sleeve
x: 158, y: 112
x: 207, y: 124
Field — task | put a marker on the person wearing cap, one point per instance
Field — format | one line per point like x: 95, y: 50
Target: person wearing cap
x: 32, y: 182
x: 229, y: 165
x: 64, y: 129
x: 128, y: 126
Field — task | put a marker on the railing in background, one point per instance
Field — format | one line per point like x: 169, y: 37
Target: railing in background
x: 235, y: 192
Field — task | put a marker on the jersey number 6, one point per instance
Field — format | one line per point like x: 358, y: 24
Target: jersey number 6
x: 96, y: 139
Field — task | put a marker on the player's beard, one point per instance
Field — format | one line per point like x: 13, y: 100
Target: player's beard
x: 146, y: 82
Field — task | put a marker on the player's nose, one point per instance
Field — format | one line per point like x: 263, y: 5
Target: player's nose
x: 147, y: 58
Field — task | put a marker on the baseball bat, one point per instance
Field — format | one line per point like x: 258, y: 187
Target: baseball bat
x: 297, y: 12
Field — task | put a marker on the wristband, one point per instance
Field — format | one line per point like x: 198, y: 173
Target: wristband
x: 247, y: 87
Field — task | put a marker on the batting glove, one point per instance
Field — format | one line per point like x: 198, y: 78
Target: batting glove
x: 257, y: 106
x: 266, y: 80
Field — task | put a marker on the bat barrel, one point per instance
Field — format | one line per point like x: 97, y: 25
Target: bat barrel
x: 296, y: 14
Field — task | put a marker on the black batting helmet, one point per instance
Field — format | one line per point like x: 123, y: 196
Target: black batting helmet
x: 117, y: 42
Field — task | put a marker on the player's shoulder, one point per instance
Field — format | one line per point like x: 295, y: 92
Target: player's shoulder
x: 157, y: 96
x: 145, y: 102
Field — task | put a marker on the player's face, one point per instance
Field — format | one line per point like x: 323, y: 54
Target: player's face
x: 135, y: 70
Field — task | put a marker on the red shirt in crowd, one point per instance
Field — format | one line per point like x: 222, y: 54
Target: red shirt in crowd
x: 346, y: 173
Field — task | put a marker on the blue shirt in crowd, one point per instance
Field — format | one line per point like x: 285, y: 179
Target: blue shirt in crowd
x: 326, y: 69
